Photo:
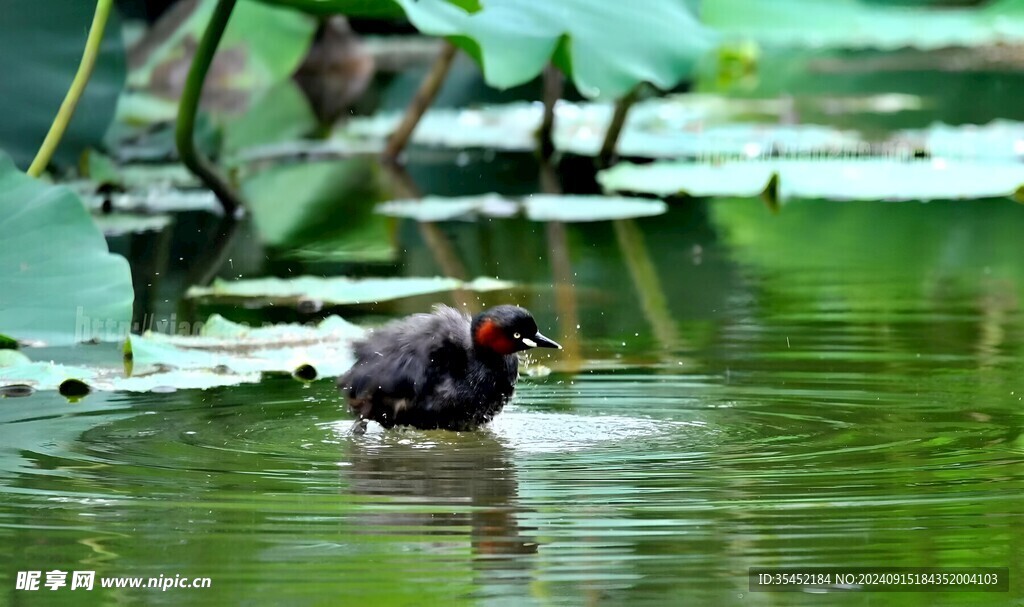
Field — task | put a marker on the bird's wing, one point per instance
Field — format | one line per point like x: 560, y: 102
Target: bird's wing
x: 405, y: 360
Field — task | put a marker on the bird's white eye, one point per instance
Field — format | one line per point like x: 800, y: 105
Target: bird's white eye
x: 516, y: 335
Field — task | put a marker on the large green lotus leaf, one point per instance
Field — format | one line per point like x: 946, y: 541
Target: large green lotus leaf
x: 58, y: 282
x: 338, y: 290
x: 41, y: 45
x: 280, y: 114
x: 538, y: 207
x: 672, y: 127
x: 262, y: 46
x: 855, y: 24
x: 289, y: 204
x: 612, y: 46
x: 370, y: 241
x: 220, y: 353
x: 874, y: 179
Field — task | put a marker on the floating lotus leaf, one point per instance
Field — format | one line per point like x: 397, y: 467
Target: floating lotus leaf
x: 157, y: 199
x: 50, y: 376
x: 439, y: 208
x: 338, y: 290
x: 228, y: 346
x: 999, y: 140
x: 538, y: 207
x: 690, y: 126
x: 119, y: 224
x: 855, y: 24
x: 873, y: 179
x: 219, y: 353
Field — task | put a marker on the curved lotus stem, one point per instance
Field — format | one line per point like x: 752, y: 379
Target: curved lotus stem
x: 189, y: 105
x: 67, y: 108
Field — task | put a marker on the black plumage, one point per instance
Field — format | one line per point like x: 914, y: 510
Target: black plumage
x: 440, y: 370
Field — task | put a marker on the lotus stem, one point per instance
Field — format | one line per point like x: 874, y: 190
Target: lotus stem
x: 440, y: 246
x: 420, y: 102
x: 67, y: 107
x: 553, y: 85
x: 611, y: 138
x: 566, y: 302
x: 641, y: 268
x: 189, y: 105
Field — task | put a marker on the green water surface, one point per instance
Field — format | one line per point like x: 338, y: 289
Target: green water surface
x: 837, y: 384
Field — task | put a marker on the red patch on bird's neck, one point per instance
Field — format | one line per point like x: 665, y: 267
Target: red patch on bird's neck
x: 490, y: 335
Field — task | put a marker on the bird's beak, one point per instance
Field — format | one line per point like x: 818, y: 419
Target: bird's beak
x: 539, y: 341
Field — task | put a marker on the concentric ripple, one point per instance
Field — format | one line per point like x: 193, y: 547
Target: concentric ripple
x: 581, y: 486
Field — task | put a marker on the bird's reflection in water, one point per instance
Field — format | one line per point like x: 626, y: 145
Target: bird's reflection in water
x: 439, y: 483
